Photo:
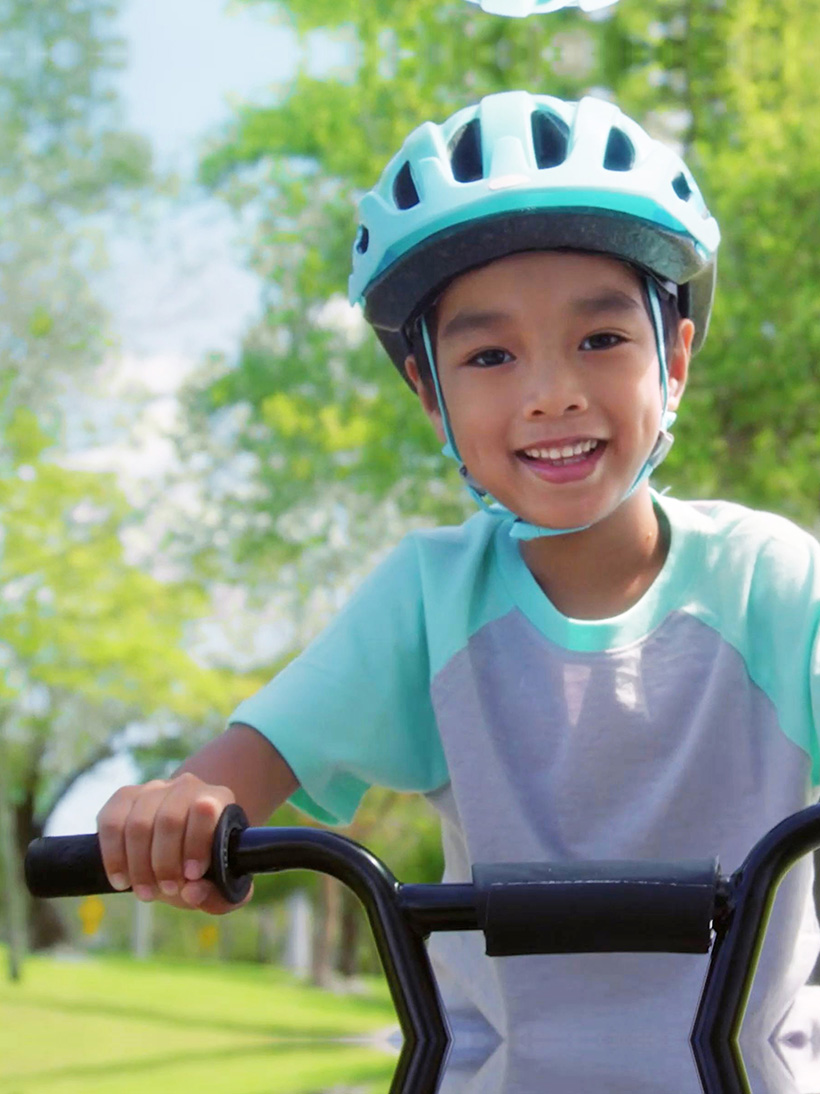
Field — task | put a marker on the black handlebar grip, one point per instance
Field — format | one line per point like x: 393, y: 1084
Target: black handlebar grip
x: 65, y: 866
x: 58, y: 866
x: 596, y: 907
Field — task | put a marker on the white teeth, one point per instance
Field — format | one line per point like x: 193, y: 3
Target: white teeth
x: 566, y: 452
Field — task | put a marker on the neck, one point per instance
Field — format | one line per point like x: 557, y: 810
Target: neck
x: 604, y: 570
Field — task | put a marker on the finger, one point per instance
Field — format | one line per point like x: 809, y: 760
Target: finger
x: 139, y: 837
x: 203, y: 817
x: 170, y: 826
x: 111, y: 833
x: 206, y: 897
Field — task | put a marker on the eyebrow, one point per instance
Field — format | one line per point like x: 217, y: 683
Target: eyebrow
x: 472, y: 321
x: 611, y: 300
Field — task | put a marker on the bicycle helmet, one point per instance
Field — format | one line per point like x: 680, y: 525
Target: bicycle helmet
x: 519, y: 172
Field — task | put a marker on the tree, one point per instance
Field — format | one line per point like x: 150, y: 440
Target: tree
x: 63, y: 158
x: 90, y: 644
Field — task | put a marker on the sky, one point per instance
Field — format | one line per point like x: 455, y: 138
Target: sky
x: 188, y: 59
x: 183, y: 290
x: 180, y: 290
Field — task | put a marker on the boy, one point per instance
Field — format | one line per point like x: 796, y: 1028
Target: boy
x: 583, y: 669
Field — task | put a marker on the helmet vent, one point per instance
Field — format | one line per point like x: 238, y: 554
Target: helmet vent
x: 620, y: 152
x: 682, y: 187
x: 465, y: 153
x: 405, y: 193
x: 363, y: 240
x: 550, y: 139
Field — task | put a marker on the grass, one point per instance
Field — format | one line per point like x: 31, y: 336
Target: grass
x: 115, y: 1024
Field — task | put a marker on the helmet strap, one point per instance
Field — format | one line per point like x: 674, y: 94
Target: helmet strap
x: 665, y: 439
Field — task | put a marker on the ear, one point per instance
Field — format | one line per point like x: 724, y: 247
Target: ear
x: 427, y: 396
x: 678, y: 363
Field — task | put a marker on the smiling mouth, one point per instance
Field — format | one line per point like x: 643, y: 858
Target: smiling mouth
x: 562, y: 455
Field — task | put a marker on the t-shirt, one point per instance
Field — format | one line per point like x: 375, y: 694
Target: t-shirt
x: 682, y: 729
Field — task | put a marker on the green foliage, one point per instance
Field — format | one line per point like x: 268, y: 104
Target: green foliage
x: 741, y: 74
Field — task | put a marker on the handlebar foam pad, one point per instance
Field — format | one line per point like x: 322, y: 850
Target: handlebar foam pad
x: 603, y: 907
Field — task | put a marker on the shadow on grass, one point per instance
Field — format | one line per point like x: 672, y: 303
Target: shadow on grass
x: 362, y: 1070
x: 220, y: 1024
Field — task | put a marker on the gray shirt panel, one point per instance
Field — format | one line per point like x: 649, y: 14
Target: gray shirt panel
x: 662, y: 749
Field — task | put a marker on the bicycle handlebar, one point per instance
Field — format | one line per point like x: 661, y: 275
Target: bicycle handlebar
x: 522, y: 908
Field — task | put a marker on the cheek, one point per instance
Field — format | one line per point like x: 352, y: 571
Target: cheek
x: 641, y: 397
x: 477, y: 415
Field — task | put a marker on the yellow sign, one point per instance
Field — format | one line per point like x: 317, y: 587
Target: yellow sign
x: 208, y: 937
x: 91, y: 913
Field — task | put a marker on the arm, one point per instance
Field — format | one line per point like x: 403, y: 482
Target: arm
x: 157, y: 837
x: 249, y: 765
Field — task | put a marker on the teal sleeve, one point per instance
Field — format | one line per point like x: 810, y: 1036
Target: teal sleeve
x: 765, y: 601
x: 354, y: 709
x: 782, y: 633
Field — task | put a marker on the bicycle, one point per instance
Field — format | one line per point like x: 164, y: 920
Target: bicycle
x: 522, y: 908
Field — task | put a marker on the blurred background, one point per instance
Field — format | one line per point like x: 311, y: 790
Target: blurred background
x: 202, y: 448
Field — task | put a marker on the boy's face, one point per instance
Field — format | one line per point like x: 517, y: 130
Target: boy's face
x: 549, y: 370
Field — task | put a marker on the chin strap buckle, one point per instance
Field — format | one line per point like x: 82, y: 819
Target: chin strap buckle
x: 661, y: 450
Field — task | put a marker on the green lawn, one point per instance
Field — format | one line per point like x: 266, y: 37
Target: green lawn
x: 113, y: 1024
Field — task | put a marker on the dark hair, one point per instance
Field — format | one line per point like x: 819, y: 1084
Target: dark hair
x: 670, y: 320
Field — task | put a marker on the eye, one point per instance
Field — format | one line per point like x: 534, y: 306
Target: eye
x: 604, y: 340
x: 490, y: 358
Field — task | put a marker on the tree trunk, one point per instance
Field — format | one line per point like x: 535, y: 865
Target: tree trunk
x: 349, y: 931
x: 45, y: 925
x: 13, y: 891
x: 328, y: 907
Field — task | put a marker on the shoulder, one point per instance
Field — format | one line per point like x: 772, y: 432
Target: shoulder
x: 476, y: 533
x: 763, y: 551
x: 428, y: 560
x: 452, y: 550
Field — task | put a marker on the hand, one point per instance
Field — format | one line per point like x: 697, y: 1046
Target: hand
x: 157, y: 839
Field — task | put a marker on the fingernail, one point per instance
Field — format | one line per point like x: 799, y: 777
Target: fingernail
x: 143, y: 892
x: 170, y: 888
x: 194, y: 870
x: 194, y: 894
x: 119, y: 882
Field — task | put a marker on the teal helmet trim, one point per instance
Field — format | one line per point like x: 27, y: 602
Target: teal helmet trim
x: 682, y: 262
x: 520, y: 528
x: 637, y: 207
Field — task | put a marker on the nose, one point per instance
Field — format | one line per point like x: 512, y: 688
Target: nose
x: 553, y: 389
